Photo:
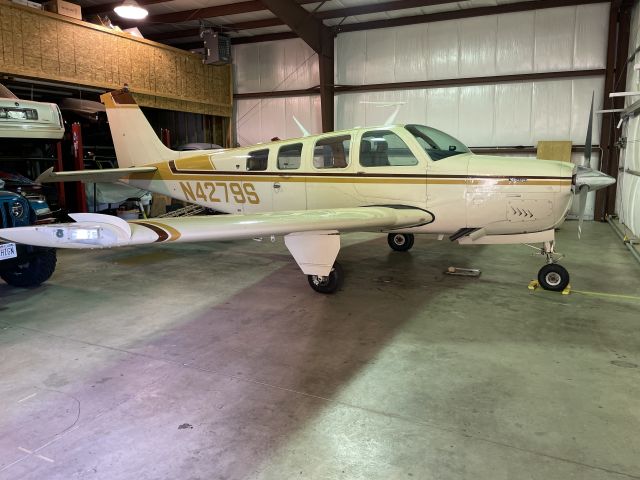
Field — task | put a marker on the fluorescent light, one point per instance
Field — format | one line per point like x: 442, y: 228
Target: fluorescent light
x: 132, y: 10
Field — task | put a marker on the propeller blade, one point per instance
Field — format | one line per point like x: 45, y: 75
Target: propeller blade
x: 582, y: 207
x: 586, y: 160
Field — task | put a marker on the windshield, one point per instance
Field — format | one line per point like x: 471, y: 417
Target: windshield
x: 6, y: 93
x: 437, y: 144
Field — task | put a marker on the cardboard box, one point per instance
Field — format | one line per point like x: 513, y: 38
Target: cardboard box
x: 554, y: 150
x: 64, y: 8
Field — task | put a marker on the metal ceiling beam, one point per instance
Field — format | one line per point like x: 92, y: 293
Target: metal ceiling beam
x: 359, y: 10
x: 458, y: 14
x: 321, y: 39
x: 192, y: 32
x: 268, y: 37
x: 378, y: 7
x: 244, y: 7
x: 232, y: 9
x: 428, y: 84
x: 212, y: 12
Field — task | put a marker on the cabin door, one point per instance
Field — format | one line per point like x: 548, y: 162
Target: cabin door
x: 289, y: 186
x: 389, y: 173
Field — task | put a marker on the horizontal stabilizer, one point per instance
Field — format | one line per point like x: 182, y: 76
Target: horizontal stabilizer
x: 103, y: 231
x: 92, y: 176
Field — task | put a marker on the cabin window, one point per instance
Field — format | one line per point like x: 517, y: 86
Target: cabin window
x: 383, y: 148
x: 257, y: 160
x: 289, y: 157
x: 332, y: 152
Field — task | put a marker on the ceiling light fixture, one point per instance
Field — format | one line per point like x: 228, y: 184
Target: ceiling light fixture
x: 132, y: 10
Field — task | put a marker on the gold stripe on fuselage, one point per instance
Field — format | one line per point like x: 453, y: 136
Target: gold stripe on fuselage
x: 165, y: 175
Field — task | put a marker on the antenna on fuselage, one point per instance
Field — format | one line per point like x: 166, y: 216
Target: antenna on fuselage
x: 305, y: 132
x: 391, y: 118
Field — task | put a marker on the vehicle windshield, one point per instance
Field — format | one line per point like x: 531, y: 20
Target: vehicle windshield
x: 437, y: 144
x: 6, y: 93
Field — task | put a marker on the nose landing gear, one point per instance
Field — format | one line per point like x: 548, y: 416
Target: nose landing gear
x: 552, y: 276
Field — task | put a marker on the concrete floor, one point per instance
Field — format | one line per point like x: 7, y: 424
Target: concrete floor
x: 217, y: 361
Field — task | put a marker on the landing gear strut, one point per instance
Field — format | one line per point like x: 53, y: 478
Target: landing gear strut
x: 400, y: 242
x: 330, y: 283
x: 552, y: 276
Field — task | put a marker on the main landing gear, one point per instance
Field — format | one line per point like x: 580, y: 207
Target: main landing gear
x: 330, y: 283
x: 552, y: 276
x: 400, y: 242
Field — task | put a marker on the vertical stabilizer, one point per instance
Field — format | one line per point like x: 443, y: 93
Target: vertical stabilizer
x: 135, y: 141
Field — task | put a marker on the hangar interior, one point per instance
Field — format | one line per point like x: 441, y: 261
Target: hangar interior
x: 213, y: 359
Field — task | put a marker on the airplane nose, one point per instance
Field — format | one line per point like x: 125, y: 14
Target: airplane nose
x: 592, y: 179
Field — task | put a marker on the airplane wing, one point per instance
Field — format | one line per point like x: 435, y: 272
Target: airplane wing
x: 104, y: 231
x: 92, y: 176
x: 312, y: 236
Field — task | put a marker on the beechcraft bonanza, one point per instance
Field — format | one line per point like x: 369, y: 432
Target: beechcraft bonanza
x: 400, y: 180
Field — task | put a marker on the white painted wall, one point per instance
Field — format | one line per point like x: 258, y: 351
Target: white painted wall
x: 268, y: 66
x: 487, y: 115
x: 628, y: 197
x: 260, y: 120
x: 555, y: 39
x: 490, y: 115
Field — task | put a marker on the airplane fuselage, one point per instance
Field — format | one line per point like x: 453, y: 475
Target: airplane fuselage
x: 372, y: 166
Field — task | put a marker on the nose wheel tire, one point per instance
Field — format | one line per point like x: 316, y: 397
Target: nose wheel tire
x: 330, y: 283
x: 553, y: 277
x: 400, y: 242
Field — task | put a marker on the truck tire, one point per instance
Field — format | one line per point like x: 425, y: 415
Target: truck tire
x: 34, y: 271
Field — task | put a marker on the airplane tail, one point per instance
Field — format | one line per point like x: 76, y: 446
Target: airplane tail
x: 134, y: 140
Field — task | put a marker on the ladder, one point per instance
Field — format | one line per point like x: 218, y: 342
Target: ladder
x: 188, y: 211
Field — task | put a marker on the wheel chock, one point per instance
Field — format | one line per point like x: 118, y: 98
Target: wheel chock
x: 534, y: 284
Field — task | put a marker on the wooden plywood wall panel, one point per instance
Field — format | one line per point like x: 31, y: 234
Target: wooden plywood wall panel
x: 45, y: 45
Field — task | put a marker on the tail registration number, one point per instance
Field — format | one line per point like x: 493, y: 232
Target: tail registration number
x: 8, y: 250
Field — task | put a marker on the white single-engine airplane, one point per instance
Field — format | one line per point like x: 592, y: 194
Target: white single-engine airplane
x: 400, y: 180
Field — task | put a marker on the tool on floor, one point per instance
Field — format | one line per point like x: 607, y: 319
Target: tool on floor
x: 463, y: 272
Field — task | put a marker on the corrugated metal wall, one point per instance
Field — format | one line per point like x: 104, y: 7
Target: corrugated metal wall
x: 628, y: 197
x: 557, y: 39
x: 269, y: 66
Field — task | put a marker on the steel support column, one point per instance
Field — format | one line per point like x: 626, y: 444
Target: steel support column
x: 617, y: 49
x: 320, y: 38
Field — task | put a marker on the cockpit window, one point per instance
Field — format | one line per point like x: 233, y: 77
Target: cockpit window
x: 383, y: 148
x: 437, y: 144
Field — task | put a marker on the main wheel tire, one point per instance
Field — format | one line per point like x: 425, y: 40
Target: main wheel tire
x: 400, y: 242
x: 329, y: 284
x: 553, y: 277
x: 33, y: 272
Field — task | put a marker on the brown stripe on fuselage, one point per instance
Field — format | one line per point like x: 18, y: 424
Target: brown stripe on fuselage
x: 170, y: 171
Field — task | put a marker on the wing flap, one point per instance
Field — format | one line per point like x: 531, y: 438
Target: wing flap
x: 100, y: 231
x: 92, y: 176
